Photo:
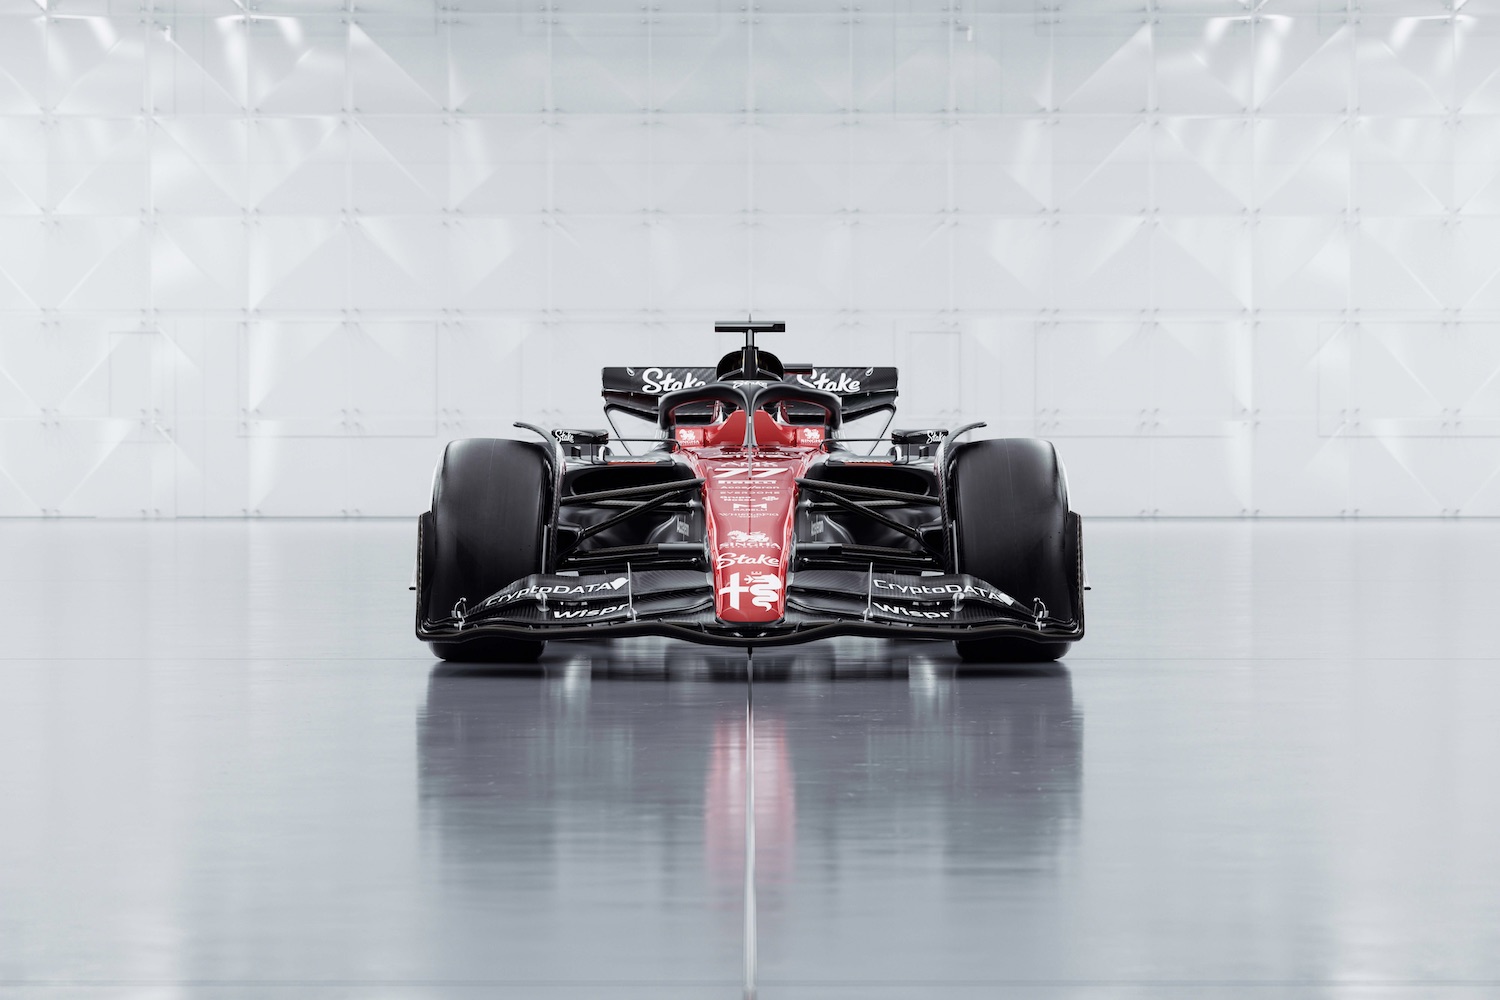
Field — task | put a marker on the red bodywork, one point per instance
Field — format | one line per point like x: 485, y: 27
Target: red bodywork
x: 750, y: 505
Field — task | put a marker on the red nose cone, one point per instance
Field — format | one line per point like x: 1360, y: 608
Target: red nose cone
x: 751, y: 501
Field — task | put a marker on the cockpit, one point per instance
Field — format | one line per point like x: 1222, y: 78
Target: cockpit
x: 749, y: 406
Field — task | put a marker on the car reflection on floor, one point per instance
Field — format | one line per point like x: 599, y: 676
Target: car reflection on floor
x: 858, y: 746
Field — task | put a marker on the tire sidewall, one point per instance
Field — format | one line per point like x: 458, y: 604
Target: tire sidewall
x: 490, y: 506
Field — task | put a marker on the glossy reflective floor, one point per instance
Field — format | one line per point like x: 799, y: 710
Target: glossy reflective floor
x: 1272, y: 770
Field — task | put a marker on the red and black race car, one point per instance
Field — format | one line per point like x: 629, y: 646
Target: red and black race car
x: 747, y: 518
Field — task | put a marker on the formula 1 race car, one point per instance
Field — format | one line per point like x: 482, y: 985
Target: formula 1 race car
x: 748, y: 519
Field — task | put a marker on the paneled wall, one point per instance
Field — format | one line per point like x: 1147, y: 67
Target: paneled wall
x: 1234, y: 258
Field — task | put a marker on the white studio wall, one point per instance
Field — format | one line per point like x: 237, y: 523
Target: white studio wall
x: 1234, y: 258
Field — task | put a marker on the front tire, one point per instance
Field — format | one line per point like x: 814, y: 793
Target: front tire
x: 1010, y: 511
x: 490, y: 505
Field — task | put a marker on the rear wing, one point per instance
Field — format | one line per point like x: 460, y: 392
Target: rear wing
x: 636, y: 390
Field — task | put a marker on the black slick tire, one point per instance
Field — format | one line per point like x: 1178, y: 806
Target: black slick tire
x: 1010, y: 512
x: 490, y: 503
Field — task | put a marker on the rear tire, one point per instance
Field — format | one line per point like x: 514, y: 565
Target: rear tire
x: 490, y: 504
x: 1010, y: 510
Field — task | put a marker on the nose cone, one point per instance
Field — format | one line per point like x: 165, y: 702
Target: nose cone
x: 750, y: 597
x: 750, y: 501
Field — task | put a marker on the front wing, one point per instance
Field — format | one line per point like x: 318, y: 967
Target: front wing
x: 819, y: 603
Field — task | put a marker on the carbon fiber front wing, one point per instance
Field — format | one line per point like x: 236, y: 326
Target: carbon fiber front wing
x: 819, y: 603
